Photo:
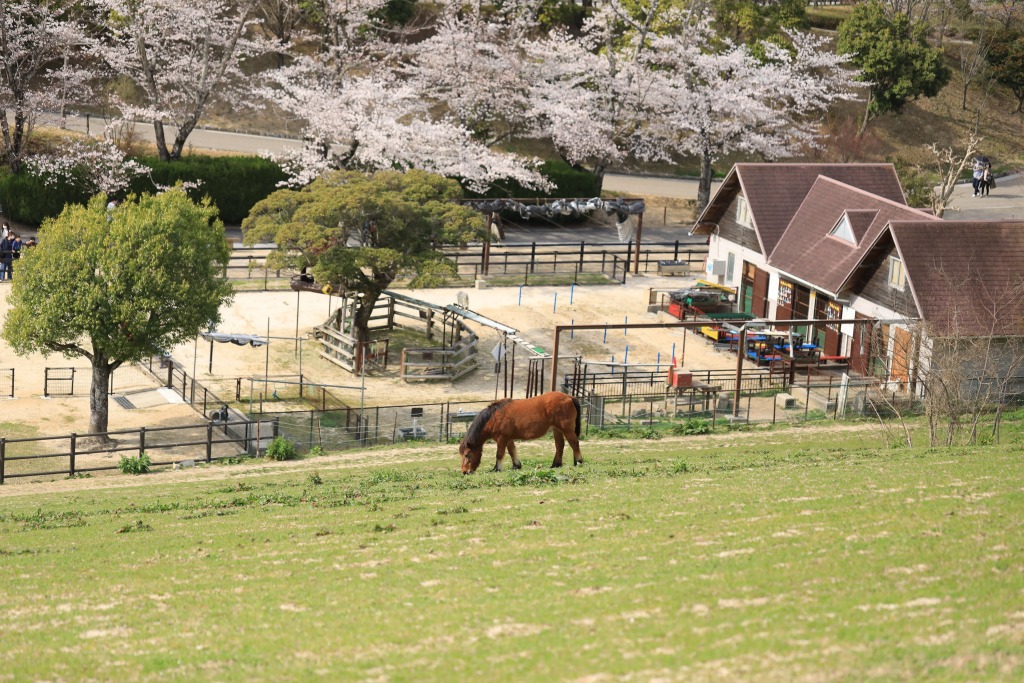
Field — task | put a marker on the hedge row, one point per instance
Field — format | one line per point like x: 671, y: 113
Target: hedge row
x: 569, y: 181
x: 234, y: 184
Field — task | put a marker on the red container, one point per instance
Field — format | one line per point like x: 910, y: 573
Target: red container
x: 682, y: 380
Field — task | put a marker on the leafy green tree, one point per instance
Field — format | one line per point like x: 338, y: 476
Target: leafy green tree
x: 893, y: 57
x: 1006, y: 56
x: 358, y: 232
x: 751, y: 21
x: 117, y: 285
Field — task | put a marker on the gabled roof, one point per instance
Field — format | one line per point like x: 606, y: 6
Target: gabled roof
x: 775, y: 192
x: 965, y: 276
x: 808, y: 252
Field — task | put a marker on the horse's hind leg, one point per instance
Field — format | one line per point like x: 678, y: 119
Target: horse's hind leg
x: 516, y: 464
x: 574, y: 443
x: 501, y: 456
x: 559, y: 447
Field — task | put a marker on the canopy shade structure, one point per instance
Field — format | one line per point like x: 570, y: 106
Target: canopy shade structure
x: 237, y: 339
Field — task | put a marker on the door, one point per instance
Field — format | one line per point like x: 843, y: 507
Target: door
x: 860, y: 347
x: 901, y: 353
x: 760, y: 303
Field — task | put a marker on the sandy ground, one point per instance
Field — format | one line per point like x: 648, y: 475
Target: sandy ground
x: 533, y: 316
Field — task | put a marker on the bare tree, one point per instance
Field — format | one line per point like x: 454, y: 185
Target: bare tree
x: 968, y: 366
x: 949, y: 165
x: 973, y: 59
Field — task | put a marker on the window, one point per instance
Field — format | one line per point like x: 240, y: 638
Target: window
x: 843, y: 230
x: 730, y: 269
x: 897, y: 277
x: 743, y: 212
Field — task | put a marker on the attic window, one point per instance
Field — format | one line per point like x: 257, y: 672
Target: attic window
x: 897, y: 276
x: 743, y: 212
x: 843, y: 230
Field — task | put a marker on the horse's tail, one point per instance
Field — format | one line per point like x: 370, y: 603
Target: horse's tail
x: 579, y: 414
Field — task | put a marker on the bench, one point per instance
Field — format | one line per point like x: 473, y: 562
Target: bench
x: 837, y: 360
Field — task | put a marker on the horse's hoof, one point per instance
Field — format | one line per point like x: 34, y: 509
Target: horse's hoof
x: 517, y: 466
x: 555, y: 464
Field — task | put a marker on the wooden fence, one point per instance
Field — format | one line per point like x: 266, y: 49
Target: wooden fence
x: 73, y: 454
x: 609, y: 258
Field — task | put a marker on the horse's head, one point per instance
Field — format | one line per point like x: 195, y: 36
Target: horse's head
x: 471, y: 456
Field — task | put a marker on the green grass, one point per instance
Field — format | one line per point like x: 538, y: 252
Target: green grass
x: 799, y: 554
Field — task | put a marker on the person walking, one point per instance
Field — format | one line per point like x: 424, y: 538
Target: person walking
x: 986, y: 178
x: 6, y: 257
x: 978, y: 174
x: 16, y: 245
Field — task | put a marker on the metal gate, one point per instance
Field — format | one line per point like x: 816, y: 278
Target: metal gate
x: 595, y: 410
x: 59, y: 382
x: 7, y: 382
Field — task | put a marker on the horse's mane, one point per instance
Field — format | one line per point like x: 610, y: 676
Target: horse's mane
x: 474, y: 435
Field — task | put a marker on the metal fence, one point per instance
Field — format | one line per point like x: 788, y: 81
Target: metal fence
x: 351, y: 427
x: 77, y: 381
x: 7, y: 382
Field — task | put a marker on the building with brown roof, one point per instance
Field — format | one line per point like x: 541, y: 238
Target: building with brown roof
x: 827, y: 241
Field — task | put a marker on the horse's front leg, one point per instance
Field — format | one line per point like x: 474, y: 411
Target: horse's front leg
x: 559, y: 447
x: 516, y: 464
x: 501, y: 455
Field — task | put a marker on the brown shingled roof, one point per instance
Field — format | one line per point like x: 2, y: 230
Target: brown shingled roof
x: 965, y: 276
x: 775, y: 192
x: 808, y: 252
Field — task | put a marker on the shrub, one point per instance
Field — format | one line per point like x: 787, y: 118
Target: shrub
x: 569, y: 181
x: 134, y: 464
x: 281, y: 449
x: 25, y: 198
x: 233, y: 183
x: 693, y: 426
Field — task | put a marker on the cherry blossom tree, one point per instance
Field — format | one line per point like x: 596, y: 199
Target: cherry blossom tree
x: 182, y: 57
x: 719, y: 98
x: 36, y: 35
x: 361, y: 113
x: 94, y: 165
x: 658, y: 82
x: 591, y: 93
x: 474, y: 64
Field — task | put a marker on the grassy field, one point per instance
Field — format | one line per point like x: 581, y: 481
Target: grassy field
x: 769, y: 555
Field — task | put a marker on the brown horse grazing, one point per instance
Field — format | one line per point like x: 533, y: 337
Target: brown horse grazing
x: 526, y: 418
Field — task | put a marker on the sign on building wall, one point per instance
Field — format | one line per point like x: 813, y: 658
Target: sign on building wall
x: 785, y: 293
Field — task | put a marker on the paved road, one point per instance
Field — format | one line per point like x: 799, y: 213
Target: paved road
x: 1005, y: 203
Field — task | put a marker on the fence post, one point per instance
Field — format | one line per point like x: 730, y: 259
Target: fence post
x: 276, y: 427
x: 3, y: 458
x: 807, y: 400
x: 238, y: 389
x: 184, y: 385
x: 675, y: 252
x: 71, y: 465
x: 72, y: 381
x: 209, y: 442
x: 533, y: 256
x: 142, y: 441
x: 46, y: 382
x: 170, y: 375
x: 582, y: 251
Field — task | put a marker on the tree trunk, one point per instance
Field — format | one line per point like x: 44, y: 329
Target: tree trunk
x: 161, y: 141
x: 867, y: 117
x: 599, y: 170
x: 704, y: 183
x: 963, y: 105
x: 98, y: 403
